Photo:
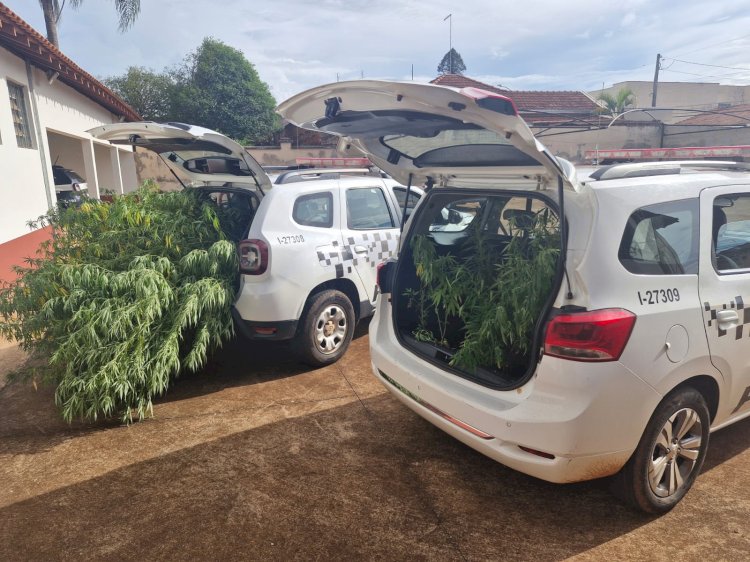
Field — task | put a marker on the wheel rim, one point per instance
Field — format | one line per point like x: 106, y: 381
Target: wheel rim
x: 675, y: 452
x: 330, y: 329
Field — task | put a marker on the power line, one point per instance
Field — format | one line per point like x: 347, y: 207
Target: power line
x: 711, y: 65
x: 714, y: 45
x: 707, y: 75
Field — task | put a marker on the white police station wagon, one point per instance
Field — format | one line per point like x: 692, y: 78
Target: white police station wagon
x: 634, y: 350
x: 309, y: 250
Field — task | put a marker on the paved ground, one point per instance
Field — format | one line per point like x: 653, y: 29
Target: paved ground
x: 261, y: 459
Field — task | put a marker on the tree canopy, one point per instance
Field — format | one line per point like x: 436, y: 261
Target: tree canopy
x: 146, y: 91
x: 218, y: 88
x: 619, y: 102
x: 452, y: 63
x: 214, y: 87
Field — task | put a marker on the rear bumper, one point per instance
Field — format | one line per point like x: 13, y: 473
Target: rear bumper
x: 275, y: 331
x: 587, y: 418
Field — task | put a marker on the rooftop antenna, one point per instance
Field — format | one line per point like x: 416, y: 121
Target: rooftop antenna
x: 450, y: 41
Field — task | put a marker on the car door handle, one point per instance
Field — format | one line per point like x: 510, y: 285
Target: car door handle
x: 727, y: 318
x: 360, y: 250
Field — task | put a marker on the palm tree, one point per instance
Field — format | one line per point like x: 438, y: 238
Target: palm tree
x: 127, y: 11
x: 616, y: 104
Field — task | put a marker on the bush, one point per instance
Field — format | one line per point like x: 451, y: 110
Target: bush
x: 481, y: 308
x: 123, y: 298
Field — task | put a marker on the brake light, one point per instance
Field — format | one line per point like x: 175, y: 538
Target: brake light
x: 598, y: 335
x: 253, y: 257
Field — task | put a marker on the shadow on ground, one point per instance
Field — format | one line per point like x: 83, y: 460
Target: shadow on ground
x: 333, y: 484
x: 366, y: 479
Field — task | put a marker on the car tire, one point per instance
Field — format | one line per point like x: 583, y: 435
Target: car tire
x: 669, y: 455
x: 326, y: 328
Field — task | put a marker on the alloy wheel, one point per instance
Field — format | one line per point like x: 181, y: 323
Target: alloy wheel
x: 675, y: 452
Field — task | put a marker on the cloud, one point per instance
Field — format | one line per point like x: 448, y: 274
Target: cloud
x: 628, y: 20
x: 298, y: 44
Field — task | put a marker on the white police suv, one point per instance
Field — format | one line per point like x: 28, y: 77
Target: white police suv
x: 611, y: 342
x: 309, y: 251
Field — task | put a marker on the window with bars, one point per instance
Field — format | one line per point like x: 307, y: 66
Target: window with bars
x: 20, y: 115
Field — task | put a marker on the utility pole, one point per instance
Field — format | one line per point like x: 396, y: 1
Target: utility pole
x: 450, y: 41
x: 656, y: 80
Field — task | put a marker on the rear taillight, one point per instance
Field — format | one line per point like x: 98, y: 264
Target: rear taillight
x: 253, y: 257
x: 598, y: 335
x: 76, y: 187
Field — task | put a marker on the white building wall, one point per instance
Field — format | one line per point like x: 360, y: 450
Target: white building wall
x: 63, y: 114
x: 22, y: 187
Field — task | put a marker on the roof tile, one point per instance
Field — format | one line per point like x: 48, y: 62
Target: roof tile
x: 533, y: 105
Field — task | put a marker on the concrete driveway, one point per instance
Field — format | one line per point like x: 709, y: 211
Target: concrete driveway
x: 258, y: 458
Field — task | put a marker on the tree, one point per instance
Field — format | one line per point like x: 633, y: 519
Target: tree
x: 127, y: 11
x: 218, y: 88
x: 452, y: 63
x: 616, y: 104
x: 145, y: 91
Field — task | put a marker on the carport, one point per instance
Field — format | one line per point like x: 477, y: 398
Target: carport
x: 104, y: 167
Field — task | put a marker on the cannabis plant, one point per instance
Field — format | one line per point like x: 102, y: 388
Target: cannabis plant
x: 484, y: 305
x: 124, y: 297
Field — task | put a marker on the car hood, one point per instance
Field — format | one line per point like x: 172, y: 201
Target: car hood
x: 459, y: 137
x: 203, y: 156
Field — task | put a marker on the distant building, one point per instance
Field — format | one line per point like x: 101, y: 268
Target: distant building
x: 47, y: 102
x: 688, y: 96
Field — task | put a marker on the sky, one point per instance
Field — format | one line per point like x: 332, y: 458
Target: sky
x: 529, y: 45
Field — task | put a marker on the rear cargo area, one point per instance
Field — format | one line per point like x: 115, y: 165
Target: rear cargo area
x: 474, y: 278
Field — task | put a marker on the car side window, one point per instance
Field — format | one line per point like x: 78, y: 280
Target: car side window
x: 366, y: 209
x: 662, y: 239
x: 400, y: 193
x: 315, y: 209
x: 730, y: 230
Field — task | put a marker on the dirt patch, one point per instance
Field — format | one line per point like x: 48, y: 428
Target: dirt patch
x: 259, y: 458
x: 11, y: 358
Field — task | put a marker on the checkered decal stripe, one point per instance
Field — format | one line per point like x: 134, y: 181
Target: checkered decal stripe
x: 738, y: 304
x: 380, y: 246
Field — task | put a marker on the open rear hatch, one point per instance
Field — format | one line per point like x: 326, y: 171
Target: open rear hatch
x: 481, y: 263
x: 197, y: 156
x: 457, y: 137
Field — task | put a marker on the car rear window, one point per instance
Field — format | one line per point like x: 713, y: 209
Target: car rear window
x: 315, y: 209
x: 662, y: 239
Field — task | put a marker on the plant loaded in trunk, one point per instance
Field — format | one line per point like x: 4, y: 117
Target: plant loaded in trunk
x: 124, y: 297
x: 480, y: 283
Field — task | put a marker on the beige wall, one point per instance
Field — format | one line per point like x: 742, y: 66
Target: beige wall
x: 688, y: 95
x: 680, y: 136
x: 285, y: 155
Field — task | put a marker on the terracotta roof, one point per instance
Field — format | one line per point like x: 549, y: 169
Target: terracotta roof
x: 735, y: 115
x: 534, y: 106
x: 24, y: 41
